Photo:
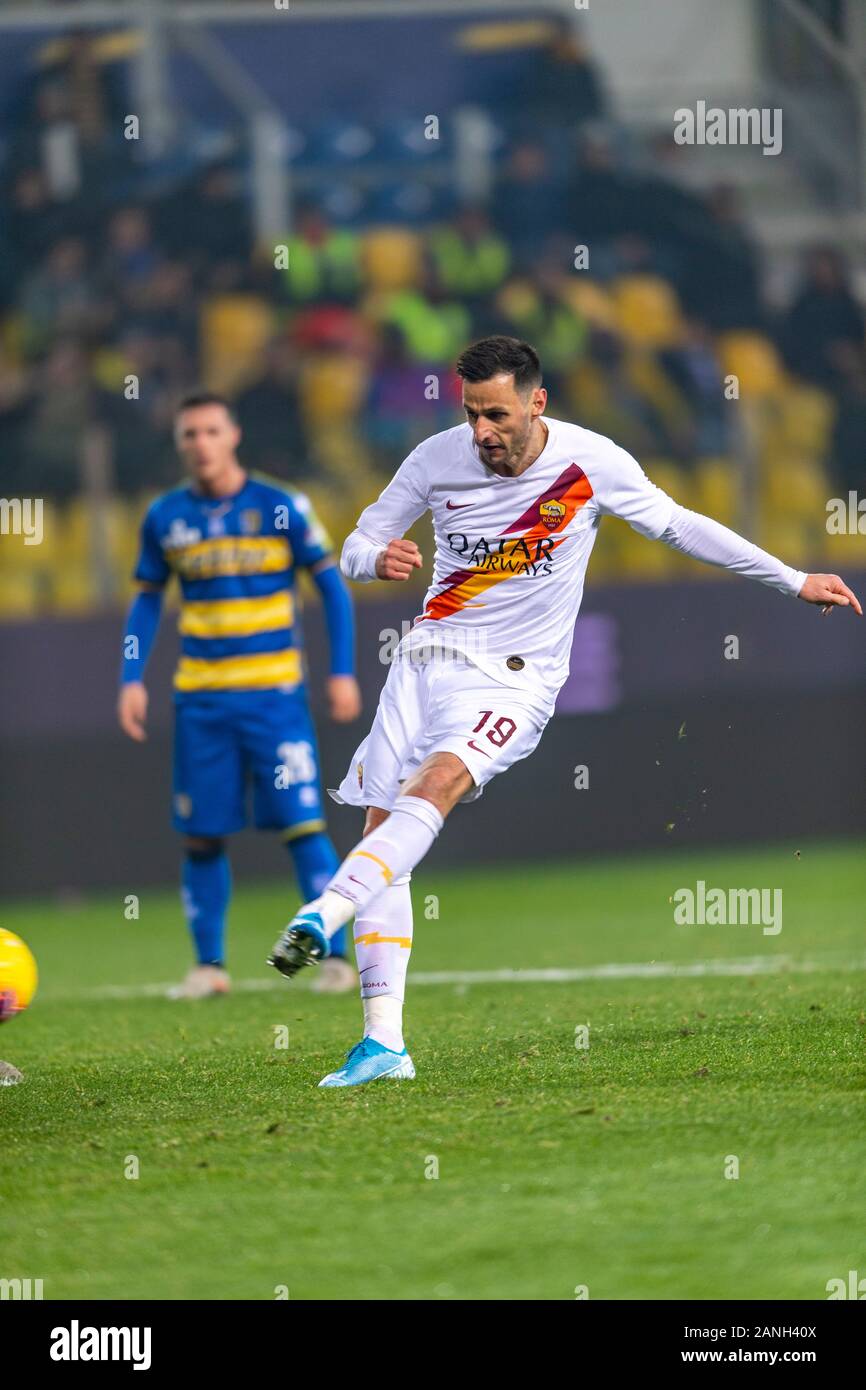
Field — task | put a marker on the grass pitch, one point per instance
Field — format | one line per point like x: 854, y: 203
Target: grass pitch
x: 558, y: 1166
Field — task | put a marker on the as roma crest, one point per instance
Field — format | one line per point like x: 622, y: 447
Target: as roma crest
x: 551, y: 514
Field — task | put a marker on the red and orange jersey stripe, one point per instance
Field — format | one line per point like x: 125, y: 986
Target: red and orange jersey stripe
x: 572, y: 488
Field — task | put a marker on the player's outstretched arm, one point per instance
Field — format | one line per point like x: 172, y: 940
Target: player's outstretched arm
x: 704, y: 539
x: 139, y: 633
x: 622, y: 489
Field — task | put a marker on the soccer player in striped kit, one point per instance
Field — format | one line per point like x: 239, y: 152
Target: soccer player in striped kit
x: 235, y: 541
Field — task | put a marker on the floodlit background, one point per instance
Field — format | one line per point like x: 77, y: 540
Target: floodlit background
x: 429, y: 172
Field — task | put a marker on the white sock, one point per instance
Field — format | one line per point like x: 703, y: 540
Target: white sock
x: 388, y: 852
x: 383, y: 1020
x: 383, y: 942
x: 334, y: 909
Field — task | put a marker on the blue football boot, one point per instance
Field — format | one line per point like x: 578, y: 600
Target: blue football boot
x: 302, y: 943
x: 370, y: 1061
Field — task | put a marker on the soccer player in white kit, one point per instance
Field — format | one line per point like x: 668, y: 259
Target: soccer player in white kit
x: 516, y: 499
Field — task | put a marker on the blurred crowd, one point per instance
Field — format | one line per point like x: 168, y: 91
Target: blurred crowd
x: 336, y: 342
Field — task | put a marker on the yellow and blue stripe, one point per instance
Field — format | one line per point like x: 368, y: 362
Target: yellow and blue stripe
x: 238, y: 616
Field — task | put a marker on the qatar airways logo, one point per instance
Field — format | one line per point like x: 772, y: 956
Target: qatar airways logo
x: 505, y: 554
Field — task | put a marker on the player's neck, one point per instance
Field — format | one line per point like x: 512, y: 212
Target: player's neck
x: 229, y: 484
x: 535, y: 446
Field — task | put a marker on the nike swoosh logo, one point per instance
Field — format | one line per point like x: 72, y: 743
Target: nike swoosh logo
x: 473, y: 744
x: 357, y: 880
x: 455, y: 506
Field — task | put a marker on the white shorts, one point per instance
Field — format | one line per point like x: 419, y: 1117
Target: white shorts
x: 441, y: 705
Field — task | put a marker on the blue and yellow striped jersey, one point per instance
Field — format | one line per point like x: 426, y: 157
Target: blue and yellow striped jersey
x: 235, y: 559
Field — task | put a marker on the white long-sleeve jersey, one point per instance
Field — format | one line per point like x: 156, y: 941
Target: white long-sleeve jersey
x: 511, y: 553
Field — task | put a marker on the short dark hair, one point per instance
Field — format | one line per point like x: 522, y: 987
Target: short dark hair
x: 197, y: 398
x: 501, y: 356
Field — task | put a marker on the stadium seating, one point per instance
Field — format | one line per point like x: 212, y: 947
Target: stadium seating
x: 717, y: 490
x: 235, y: 329
x: 393, y: 258
x: 752, y: 358
x: 647, y: 310
x: 390, y: 256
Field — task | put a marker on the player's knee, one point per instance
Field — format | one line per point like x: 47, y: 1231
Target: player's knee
x: 202, y: 846
x: 375, y: 817
x: 442, y: 779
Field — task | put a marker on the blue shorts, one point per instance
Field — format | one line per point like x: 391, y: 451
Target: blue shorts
x: 228, y: 741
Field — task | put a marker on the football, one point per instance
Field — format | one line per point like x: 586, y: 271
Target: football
x: 18, y: 975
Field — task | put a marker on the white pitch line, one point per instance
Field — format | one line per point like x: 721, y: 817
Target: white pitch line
x: 646, y: 970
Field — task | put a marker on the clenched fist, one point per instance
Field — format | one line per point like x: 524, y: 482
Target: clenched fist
x: 398, y: 560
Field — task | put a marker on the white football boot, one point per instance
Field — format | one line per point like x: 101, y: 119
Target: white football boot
x: 202, y: 982
x: 336, y: 975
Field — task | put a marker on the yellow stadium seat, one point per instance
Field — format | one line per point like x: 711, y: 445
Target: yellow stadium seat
x: 806, y: 420
x: 336, y: 508
x: 74, y: 591
x: 647, y: 310
x: 589, y: 300
x: 793, y: 541
x: 13, y: 339
x: 234, y: 328
x: 518, y: 299
x: 125, y: 544
x: 796, y: 488
x: 332, y: 388
x: 753, y: 359
x: 80, y: 539
x: 392, y: 258
x: 637, y: 557
x: 16, y: 557
x: 717, y: 490
x: 73, y: 545
x: 119, y: 521
x: 20, y: 594
x: 675, y: 481
x: 110, y: 366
